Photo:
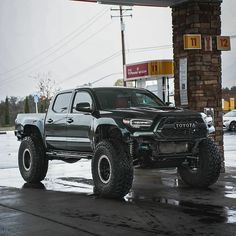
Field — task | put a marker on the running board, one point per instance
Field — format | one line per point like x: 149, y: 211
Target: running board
x: 60, y: 155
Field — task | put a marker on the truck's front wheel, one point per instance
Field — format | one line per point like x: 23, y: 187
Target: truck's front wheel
x: 32, y: 162
x: 205, y: 170
x: 112, y: 169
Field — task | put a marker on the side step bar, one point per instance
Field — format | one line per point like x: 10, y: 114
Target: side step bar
x: 60, y: 155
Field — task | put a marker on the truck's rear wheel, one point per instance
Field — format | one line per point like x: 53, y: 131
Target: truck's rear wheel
x: 32, y: 162
x: 206, y: 170
x: 112, y: 169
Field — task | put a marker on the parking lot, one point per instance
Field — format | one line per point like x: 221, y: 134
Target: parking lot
x: 158, y: 204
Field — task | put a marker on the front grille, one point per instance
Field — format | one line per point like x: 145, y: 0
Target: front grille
x: 181, y: 128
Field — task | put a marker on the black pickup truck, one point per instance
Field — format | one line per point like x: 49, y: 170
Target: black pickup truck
x: 119, y: 129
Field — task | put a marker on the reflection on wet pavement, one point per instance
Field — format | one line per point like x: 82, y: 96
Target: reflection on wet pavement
x: 151, y: 187
x: 74, y: 184
x: 34, y: 186
x: 207, y: 214
x: 230, y: 191
x: 231, y: 195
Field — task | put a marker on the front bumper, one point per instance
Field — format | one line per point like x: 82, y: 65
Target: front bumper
x: 151, y: 146
x: 226, y: 125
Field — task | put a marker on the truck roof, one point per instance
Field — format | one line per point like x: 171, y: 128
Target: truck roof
x: 98, y: 88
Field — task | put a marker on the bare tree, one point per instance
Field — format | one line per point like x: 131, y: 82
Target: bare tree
x: 46, y: 85
x: 119, y: 82
x: 46, y: 88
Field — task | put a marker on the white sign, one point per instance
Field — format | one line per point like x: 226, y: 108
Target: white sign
x: 36, y: 98
x: 183, y: 85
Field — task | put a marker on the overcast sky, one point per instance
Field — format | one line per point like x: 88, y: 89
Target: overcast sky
x: 79, y: 43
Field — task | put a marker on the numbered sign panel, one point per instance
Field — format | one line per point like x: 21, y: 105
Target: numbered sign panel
x: 208, y: 43
x: 223, y: 43
x: 192, y: 41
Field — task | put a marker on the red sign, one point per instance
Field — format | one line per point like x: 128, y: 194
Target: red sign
x: 136, y: 71
x: 208, y: 43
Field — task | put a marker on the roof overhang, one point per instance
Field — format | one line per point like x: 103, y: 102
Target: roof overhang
x: 156, y: 3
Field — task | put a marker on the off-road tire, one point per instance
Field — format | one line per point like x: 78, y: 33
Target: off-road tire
x: 232, y: 126
x: 118, y: 183
x: 208, y: 170
x: 32, y: 162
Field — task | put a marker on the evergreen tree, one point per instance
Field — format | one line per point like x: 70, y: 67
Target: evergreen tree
x: 26, y: 106
x: 7, y: 113
x: 233, y: 88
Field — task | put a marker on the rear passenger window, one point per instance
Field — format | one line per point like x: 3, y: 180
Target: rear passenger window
x: 61, y: 103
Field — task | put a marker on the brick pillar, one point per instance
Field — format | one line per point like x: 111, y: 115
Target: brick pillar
x: 203, y: 67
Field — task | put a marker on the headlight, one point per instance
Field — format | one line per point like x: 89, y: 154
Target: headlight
x: 138, y: 123
x: 225, y: 121
x: 204, y: 117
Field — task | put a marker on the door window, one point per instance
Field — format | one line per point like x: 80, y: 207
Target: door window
x: 61, y: 103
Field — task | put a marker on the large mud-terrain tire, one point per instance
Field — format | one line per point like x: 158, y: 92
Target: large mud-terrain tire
x: 207, y: 170
x: 112, y: 169
x: 32, y: 162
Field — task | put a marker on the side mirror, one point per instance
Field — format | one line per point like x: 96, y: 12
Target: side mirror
x: 83, y: 106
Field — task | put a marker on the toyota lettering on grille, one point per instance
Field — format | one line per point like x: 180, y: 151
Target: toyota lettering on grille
x: 185, y: 125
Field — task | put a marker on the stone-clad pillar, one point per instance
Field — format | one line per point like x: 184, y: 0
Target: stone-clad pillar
x: 203, y: 67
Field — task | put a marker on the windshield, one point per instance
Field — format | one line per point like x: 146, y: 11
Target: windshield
x: 113, y: 98
x: 230, y: 114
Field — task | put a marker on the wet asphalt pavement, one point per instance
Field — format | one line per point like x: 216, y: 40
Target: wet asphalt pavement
x: 158, y: 204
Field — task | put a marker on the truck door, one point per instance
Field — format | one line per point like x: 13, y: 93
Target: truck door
x: 79, y: 124
x: 55, y: 123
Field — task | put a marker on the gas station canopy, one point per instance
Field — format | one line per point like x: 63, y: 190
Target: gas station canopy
x: 156, y: 3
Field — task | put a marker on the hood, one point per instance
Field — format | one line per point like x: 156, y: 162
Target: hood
x: 162, y: 114
x: 148, y: 112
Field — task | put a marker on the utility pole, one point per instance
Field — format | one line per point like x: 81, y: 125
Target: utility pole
x: 122, y: 27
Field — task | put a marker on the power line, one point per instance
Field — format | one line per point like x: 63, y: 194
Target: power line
x: 134, y: 50
x: 71, y: 36
x: 109, y: 58
x: 114, y: 55
x: 102, y: 78
x: 57, y: 58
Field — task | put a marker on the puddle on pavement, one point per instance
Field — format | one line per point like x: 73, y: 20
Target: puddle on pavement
x: 207, y: 214
x: 70, y: 184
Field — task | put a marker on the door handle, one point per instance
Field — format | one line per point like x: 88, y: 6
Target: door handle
x: 70, y: 120
x: 50, y: 121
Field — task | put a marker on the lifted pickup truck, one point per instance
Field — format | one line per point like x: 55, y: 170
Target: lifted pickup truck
x: 118, y: 128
